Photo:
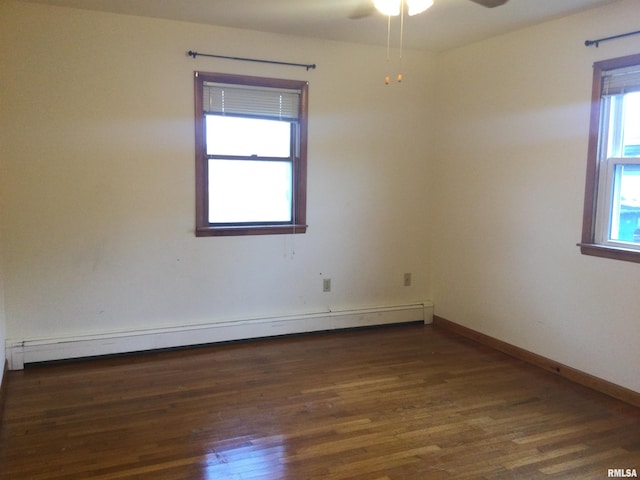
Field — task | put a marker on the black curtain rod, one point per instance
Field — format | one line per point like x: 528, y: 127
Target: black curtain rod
x: 307, y: 66
x: 588, y: 43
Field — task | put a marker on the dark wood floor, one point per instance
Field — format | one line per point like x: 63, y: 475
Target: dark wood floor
x: 394, y: 403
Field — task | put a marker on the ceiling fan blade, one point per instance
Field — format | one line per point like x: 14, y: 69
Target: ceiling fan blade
x: 490, y: 3
x: 363, y: 10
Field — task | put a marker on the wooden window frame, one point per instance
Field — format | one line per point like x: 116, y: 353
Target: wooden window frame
x: 588, y: 244
x: 299, y: 166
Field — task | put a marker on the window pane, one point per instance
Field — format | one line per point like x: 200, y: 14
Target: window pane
x: 631, y: 129
x: 245, y: 137
x: 625, y: 211
x: 249, y: 191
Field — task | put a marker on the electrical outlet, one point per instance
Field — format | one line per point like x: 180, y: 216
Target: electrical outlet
x: 326, y: 284
x: 407, y: 279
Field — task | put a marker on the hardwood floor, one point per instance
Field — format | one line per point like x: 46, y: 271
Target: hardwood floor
x: 392, y: 403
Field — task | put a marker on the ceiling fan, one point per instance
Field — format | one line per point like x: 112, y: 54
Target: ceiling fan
x: 395, y: 8
x: 368, y: 8
x: 490, y: 3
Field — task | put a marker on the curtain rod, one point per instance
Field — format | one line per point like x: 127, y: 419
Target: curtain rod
x: 273, y: 62
x: 588, y: 43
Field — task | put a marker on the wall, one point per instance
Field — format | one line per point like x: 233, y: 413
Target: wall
x: 97, y: 180
x: 510, y: 173
x: 3, y: 319
x: 96, y: 185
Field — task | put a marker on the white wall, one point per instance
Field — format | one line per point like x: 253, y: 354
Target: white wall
x: 510, y: 176
x: 97, y: 180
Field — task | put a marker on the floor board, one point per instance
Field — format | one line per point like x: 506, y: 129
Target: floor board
x: 390, y: 403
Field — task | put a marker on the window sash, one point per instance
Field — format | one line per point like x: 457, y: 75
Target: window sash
x: 251, y: 193
x: 222, y: 150
x: 607, y: 216
x: 243, y: 197
x: 610, y: 159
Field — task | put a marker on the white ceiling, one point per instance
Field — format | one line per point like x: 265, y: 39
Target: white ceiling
x: 448, y: 24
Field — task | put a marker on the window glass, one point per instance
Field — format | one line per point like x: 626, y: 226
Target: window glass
x: 625, y: 205
x: 631, y: 125
x: 243, y: 191
x: 241, y: 136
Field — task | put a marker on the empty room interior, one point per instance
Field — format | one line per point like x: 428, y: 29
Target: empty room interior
x: 441, y: 292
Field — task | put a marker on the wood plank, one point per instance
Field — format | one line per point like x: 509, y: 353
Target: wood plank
x: 387, y: 403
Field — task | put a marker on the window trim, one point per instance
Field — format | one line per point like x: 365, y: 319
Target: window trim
x: 298, y: 224
x: 589, y: 245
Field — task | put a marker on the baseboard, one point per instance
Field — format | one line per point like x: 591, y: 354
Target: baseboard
x: 25, y: 351
x: 3, y: 388
x: 577, y: 376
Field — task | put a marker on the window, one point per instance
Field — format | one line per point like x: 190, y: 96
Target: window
x: 251, y: 155
x: 611, y: 223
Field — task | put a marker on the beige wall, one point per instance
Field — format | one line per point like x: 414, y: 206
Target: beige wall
x: 3, y: 319
x: 97, y: 178
x: 510, y: 175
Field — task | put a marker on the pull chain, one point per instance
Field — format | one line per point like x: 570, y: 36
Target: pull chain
x: 401, y: 38
x: 387, y: 80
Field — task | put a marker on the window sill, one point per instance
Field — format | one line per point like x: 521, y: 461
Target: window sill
x: 607, y: 251
x: 210, y: 231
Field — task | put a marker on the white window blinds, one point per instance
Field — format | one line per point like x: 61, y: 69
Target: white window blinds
x: 263, y: 102
x: 621, y: 80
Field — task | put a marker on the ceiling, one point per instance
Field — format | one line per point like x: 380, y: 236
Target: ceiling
x: 448, y: 24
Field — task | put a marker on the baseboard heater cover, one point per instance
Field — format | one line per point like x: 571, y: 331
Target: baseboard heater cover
x: 21, y: 352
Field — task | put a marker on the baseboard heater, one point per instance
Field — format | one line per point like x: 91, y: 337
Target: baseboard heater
x: 21, y: 352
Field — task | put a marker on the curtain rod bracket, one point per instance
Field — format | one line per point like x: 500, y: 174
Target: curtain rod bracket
x: 193, y: 54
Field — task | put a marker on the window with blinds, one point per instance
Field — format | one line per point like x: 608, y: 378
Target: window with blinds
x: 619, y: 81
x: 250, y: 155
x: 611, y: 225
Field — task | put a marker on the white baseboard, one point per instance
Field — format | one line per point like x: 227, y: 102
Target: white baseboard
x: 21, y: 352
